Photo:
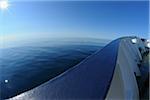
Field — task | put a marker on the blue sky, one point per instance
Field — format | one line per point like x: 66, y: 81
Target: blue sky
x: 97, y: 19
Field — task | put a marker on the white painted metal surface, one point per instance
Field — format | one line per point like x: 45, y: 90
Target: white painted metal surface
x: 124, y: 84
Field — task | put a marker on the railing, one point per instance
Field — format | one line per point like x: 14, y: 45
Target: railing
x: 124, y: 84
x: 90, y: 79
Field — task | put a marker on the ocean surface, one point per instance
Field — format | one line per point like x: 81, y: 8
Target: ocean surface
x: 26, y: 66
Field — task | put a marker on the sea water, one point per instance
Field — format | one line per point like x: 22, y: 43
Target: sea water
x: 27, y: 66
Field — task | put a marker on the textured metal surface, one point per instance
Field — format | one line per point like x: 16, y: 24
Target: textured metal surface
x: 90, y: 79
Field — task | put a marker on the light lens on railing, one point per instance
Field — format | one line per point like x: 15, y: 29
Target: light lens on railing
x: 148, y: 44
x: 134, y: 40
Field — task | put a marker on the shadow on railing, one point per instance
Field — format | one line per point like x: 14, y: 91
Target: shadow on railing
x: 90, y: 79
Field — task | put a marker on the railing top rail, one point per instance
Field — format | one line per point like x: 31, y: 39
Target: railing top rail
x: 90, y: 79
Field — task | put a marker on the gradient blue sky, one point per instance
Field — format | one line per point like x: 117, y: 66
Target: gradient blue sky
x: 99, y: 19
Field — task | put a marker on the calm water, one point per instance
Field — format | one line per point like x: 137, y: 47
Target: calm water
x: 25, y: 67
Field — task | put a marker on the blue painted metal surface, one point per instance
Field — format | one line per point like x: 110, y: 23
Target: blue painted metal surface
x: 90, y: 79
